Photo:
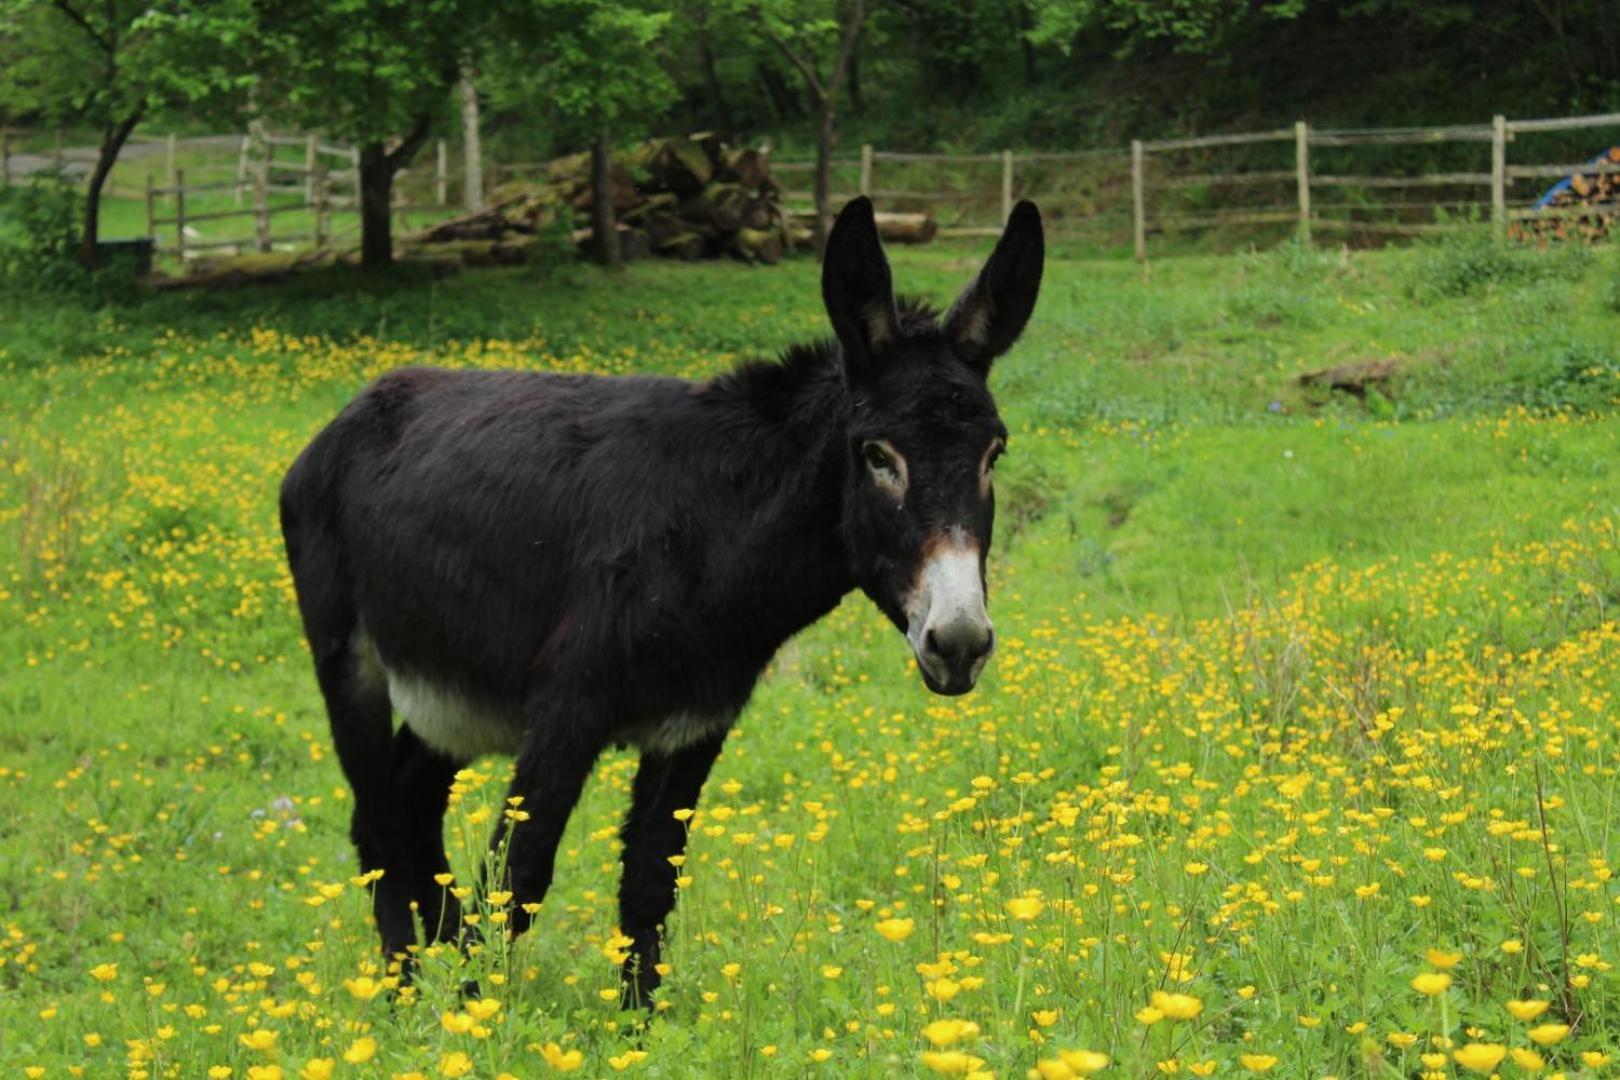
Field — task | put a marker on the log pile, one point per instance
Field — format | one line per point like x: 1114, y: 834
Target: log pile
x: 686, y: 197
x: 1586, y: 206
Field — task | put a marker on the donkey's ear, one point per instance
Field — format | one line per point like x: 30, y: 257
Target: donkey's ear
x: 857, y: 288
x: 991, y: 312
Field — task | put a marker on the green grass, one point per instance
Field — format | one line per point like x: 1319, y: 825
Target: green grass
x: 1301, y: 640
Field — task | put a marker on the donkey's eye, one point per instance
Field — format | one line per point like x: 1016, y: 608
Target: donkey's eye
x: 877, y: 458
x: 887, y: 467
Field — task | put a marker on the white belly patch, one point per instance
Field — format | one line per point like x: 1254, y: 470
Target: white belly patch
x: 673, y: 733
x: 451, y: 724
x: 443, y: 718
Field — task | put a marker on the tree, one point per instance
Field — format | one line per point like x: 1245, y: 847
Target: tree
x: 818, y: 39
x: 598, y: 70
x: 116, y: 63
x: 378, y: 73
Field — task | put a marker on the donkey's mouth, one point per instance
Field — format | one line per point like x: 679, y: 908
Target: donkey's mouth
x: 946, y: 689
x: 948, y: 683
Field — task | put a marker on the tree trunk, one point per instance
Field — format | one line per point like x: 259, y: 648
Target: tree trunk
x: 783, y: 99
x: 472, y: 185
x: 376, y: 205
x: 824, y: 149
x: 1026, y: 23
x: 856, y: 105
x: 604, y: 237
x: 112, y: 141
x: 711, y: 80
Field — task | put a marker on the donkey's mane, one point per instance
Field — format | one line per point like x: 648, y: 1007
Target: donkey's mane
x: 802, y: 362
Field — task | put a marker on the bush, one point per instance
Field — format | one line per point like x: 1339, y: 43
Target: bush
x: 38, y: 230
x: 1474, y: 262
x: 39, y: 238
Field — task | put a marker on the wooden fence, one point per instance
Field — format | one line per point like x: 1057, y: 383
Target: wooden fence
x: 1299, y: 179
x: 264, y: 180
x: 1164, y: 186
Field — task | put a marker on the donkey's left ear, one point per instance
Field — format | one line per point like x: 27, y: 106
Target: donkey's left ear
x: 991, y: 312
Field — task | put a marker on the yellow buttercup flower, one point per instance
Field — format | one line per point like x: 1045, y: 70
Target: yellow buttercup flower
x: 1527, y: 1010
x: 895, y: 930
x: 1548, y: 1034
x: 1257, y: 1063
x: 1176, y: 1006
x: 947, y: 1032
x: 1442, y: 959
x: 361, y: 1050
x: 1528, y: 1059
x: 1025, y: 908
x: 1479, y: 1057
x: 562, y: 1060
x: 1432, y: 983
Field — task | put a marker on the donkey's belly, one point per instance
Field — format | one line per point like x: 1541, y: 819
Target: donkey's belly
x: 450, y: 723
x: 675, y: 732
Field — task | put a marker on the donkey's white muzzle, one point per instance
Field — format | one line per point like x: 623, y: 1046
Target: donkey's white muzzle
x: 947, y: 624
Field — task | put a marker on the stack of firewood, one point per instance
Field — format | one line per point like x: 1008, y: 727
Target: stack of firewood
x: 1586, y: 208
x: 685, y: 197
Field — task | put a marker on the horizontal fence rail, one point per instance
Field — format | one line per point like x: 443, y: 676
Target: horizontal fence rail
x: 1364, y: 181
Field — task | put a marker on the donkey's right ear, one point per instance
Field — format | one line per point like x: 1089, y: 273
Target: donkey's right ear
x: 857, y: 287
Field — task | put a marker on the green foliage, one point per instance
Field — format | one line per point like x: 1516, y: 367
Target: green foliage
x: 38, y: 226
x: 1474, y: 262
x: 597, y: 66
x: 99, y: 63
x: 363, y: 70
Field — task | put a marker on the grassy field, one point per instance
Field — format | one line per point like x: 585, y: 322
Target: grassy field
x: 1298, y: 757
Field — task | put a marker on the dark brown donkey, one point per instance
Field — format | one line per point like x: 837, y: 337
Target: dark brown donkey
x: 543, y: 565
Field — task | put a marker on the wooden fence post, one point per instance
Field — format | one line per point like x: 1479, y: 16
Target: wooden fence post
x: 866, y: 169
x: 1006, y: 185
x: 1138, y: 203
x: 1302, y: 173
x: 241, y: 167
x: 5, y: 158
x: 171, y: 155
x: 261, y: 205
x: 180, y: 217
x: 472, y: 160
x: 323, y: 210
x: 1499, y: 176
x: 309, y: 168
x: 151, y: 208
x: 441, y: 175
x: 59, y: 159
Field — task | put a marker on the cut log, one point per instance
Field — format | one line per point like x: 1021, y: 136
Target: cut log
x: 685, y: 197
x: 893, y: 228
x: 632, y: 242
x: 680, y: 165
x: 686, y: 246
x: 757, y: 245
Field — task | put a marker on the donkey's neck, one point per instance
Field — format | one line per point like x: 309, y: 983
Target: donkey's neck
x: 781, y: 428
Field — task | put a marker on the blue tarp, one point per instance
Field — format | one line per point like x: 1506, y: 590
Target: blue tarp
x: 1608, y: 156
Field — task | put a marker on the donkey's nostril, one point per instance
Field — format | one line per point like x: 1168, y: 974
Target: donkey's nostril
x: 961, y: 646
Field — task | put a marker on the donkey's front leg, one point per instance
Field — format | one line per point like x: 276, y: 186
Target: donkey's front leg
x: 664, y: 784
x: 551, y: 771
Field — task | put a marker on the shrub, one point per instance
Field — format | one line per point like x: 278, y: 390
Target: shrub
x: 1474, y: 262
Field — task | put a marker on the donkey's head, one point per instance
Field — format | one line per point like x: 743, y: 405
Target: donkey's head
x: 924, y: 436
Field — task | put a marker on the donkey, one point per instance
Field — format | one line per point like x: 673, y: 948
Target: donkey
x: 542, y: 565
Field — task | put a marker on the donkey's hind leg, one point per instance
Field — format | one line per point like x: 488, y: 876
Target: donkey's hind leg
x: 423, y: 777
